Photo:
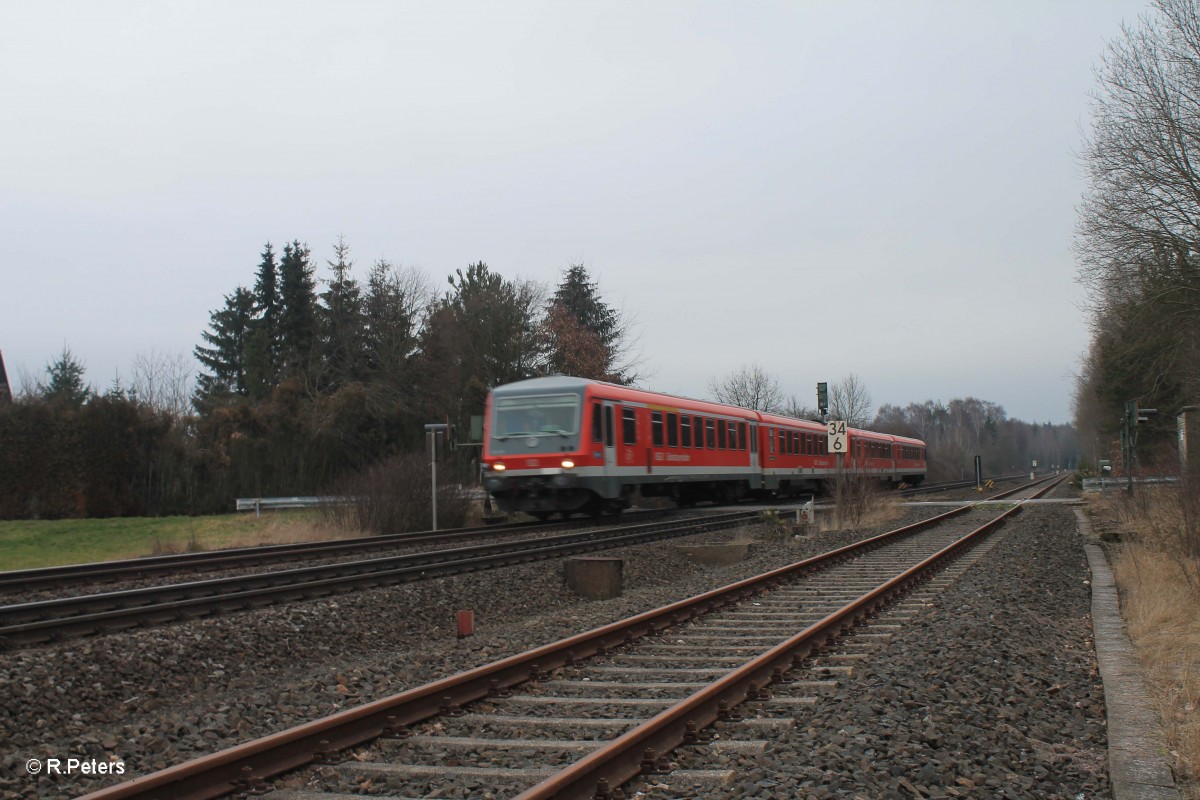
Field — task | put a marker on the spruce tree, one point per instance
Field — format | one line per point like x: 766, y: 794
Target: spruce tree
x: 262, y: 350
x: 579, y: 295
x: 225, y: 358
x: 298, y: 324
x: 65, y: 380
x: 577, y: 299
x: 391, y: 309
x: 343, y: 325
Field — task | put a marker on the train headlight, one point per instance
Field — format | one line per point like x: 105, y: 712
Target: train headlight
x: 568, y: 464
x: 498, y: 467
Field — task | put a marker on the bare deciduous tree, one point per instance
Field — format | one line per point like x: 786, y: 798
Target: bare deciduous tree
x: 163, y: 381
x: 849, y: 400
x: 751, y: 387
x: 1138, y: 235
x: 795, y: 409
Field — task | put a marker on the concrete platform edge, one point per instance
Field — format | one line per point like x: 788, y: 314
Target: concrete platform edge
x: 1137, y: 764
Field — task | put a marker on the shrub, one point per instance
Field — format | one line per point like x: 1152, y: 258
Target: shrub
x: 394, y: 496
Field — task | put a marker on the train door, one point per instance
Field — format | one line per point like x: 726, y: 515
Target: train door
x: 610, y: 438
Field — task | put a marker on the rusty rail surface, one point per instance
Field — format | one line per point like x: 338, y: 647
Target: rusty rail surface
x: 258, y: 555
x: 248, y: 766
x: 31, y: 623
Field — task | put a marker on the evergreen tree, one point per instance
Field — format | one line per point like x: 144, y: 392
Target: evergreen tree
x: 497, y: 319
x: 343, y: 323
x: 262, y: 349
x: 298, y: 323
x: 392, y: 309
x: 577, y: 297
x: 65, y: 380
x: 225, y: 358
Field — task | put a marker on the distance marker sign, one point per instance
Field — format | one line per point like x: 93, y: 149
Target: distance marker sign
x: 837, y: 436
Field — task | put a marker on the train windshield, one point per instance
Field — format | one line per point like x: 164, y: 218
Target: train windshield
x: 536, y: 415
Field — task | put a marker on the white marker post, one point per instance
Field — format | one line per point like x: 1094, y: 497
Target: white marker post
x: 433, y: 432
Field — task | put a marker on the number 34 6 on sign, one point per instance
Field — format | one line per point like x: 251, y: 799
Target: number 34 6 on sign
x: 837, y: 436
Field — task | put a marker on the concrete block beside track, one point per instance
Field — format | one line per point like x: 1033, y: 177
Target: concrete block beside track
x: 595, y: 577
x: 716, y: 555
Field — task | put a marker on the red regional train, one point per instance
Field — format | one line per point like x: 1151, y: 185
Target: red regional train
x: 563, y: 444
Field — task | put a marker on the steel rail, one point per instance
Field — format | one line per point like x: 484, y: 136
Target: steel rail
x: 249, y: 765
x: 31, y: 623
x: 257, y: 555
x: 26, y: 579
x: 636, y: 750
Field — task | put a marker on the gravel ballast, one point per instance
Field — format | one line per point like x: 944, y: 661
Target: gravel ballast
x: 993, y: 692
x: 158, y: 696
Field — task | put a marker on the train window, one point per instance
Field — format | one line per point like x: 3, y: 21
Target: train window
x: 823, y: 445
x: 753, y: 438
x: 656, y: 428
x: 597, y: 423
x: 771, y: 439
x: 721, y: 434
x: 698, y: 432
x: 629, y: 425
x: 710, y: 434
x: 795, y: 443
x: 608, y: 426
x: 685, y: 431
x: 672, y: 430
x: 741, y: 435
x: 806, y: 444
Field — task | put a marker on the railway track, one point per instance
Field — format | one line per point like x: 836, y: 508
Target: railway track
x: 580, y: 717
x: 266, y: 555
x: 74, y: 575
x: 48, y: 620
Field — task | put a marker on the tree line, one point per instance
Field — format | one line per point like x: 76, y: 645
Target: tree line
x: 305, y: 380
x: 1138, y: 235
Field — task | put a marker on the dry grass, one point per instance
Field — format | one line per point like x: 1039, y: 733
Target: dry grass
x: 1156, y: 571
x: 876, y: 511
x: 27, y: 544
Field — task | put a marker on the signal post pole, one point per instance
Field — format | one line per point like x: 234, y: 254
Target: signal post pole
x: 433, y: 434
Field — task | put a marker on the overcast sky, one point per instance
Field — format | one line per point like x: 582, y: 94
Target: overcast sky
x: 879, y: 188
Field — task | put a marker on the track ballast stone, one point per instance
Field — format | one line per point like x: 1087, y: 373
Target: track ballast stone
x: 157, y: 696
x: 991, y: 692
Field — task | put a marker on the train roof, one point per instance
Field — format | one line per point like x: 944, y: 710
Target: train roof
x: 567, y: 383
x: 779, y: 419
x: 548, y: 384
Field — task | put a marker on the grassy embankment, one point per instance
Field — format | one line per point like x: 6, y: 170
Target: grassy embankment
x: 26, y: 544
x: 1157, y: 569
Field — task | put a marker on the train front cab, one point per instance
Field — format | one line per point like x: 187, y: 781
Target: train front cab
x: 536, y: 453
